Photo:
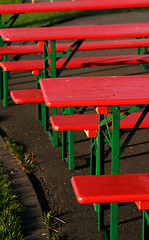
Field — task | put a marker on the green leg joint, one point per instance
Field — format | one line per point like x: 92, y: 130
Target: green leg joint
x: 145, y: 225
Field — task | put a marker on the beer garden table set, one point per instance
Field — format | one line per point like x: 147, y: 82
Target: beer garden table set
x: 97, y: 91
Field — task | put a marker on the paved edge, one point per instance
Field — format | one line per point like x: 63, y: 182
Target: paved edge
x: 32, y: 216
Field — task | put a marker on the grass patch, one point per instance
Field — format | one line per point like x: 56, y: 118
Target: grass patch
x: 41, y: 19
x: 10, y: 222
x: 27, y: 161
x: 53, y: 225
x: 29, y: 165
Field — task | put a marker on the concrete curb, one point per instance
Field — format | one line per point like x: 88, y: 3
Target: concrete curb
x: 33, y: 222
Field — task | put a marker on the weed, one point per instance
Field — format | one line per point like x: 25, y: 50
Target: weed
x: 10, y: 222
x: 27, y: 161
x: 52, y: 224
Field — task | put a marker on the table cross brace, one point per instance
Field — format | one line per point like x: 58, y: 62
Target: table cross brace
x: 133, y: 130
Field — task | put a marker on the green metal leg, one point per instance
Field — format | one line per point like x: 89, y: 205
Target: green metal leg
x: 5, y: 84
x: 1, y: 72
x: 100, y: 171
x: 39, y: 105
x: 64, y: 145
x: 145, y: 225
x: 53, y: 75
x: 39, y: 112
x: 71, y: 149
x: 1, y: 84
x: 64, y: 140
x: 45, y: 121
x: 115, y: 169
x: 46, y: 74
x: 54, y: 133
x: 45, y: 117
x: 5, y: 89
x: 71, y: 143
x: 100, y: 148
x: 140, y: 52
x: 69, y: 158
x: 93, y: 157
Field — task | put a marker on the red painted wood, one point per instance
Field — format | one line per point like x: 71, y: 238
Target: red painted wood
x: 20, y: 49
x: 76, y: 62
x: 111, y: 188
x: 71, y: 6
x: 76, y: 32
x: 142, y: 205
x: 22, y: 65
x: 105, y: 60
x: 95, y: 91
x: 90, y: 122
x: 108, y: 44
x: 74, y: 122
x: 27, y: 96
x: 91, y: 45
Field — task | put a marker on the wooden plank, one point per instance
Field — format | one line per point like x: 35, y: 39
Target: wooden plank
x: 111, y: 188
x: 71, y: 6
x: 97, y: 91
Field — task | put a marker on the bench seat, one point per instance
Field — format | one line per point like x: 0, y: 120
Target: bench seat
x: 90, y: 122
x: 76, y: 62
x: 27, y: 96
x: 112, y: 188
x: 60, y: 47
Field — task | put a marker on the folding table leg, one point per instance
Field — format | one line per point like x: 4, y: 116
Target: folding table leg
x: 100, y: 170
x: 1, y: 72
x: 93, y: 156
x: 1, y: 84
x: 5, y: 84
x: 45, y: 117
x: 115, y: 169
x: 64, y: 145
x: 45, y: 74
x: 140, y: 52
x: 39, y: 105
x: 54, y: 133
x: 68, y: 155
x: 145, y: 225
x: 71, y: 143
x: 5, y: 88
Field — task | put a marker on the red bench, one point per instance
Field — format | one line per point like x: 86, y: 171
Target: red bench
x: 60, y: 47
x: 89, y: 122
x: 27, y: 96
x: 30, y: 96
x: 75, y: 62
x: 115, y: 189
x: 112, y: 188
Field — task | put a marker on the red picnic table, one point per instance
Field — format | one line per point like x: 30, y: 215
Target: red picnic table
x: 76, y: 33
x: 115, y: 91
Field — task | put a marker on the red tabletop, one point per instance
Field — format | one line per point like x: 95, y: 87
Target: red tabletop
x: 95, y: 91
x: 76, y: 32
x: 111, y: 188
x: 71, y: 6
